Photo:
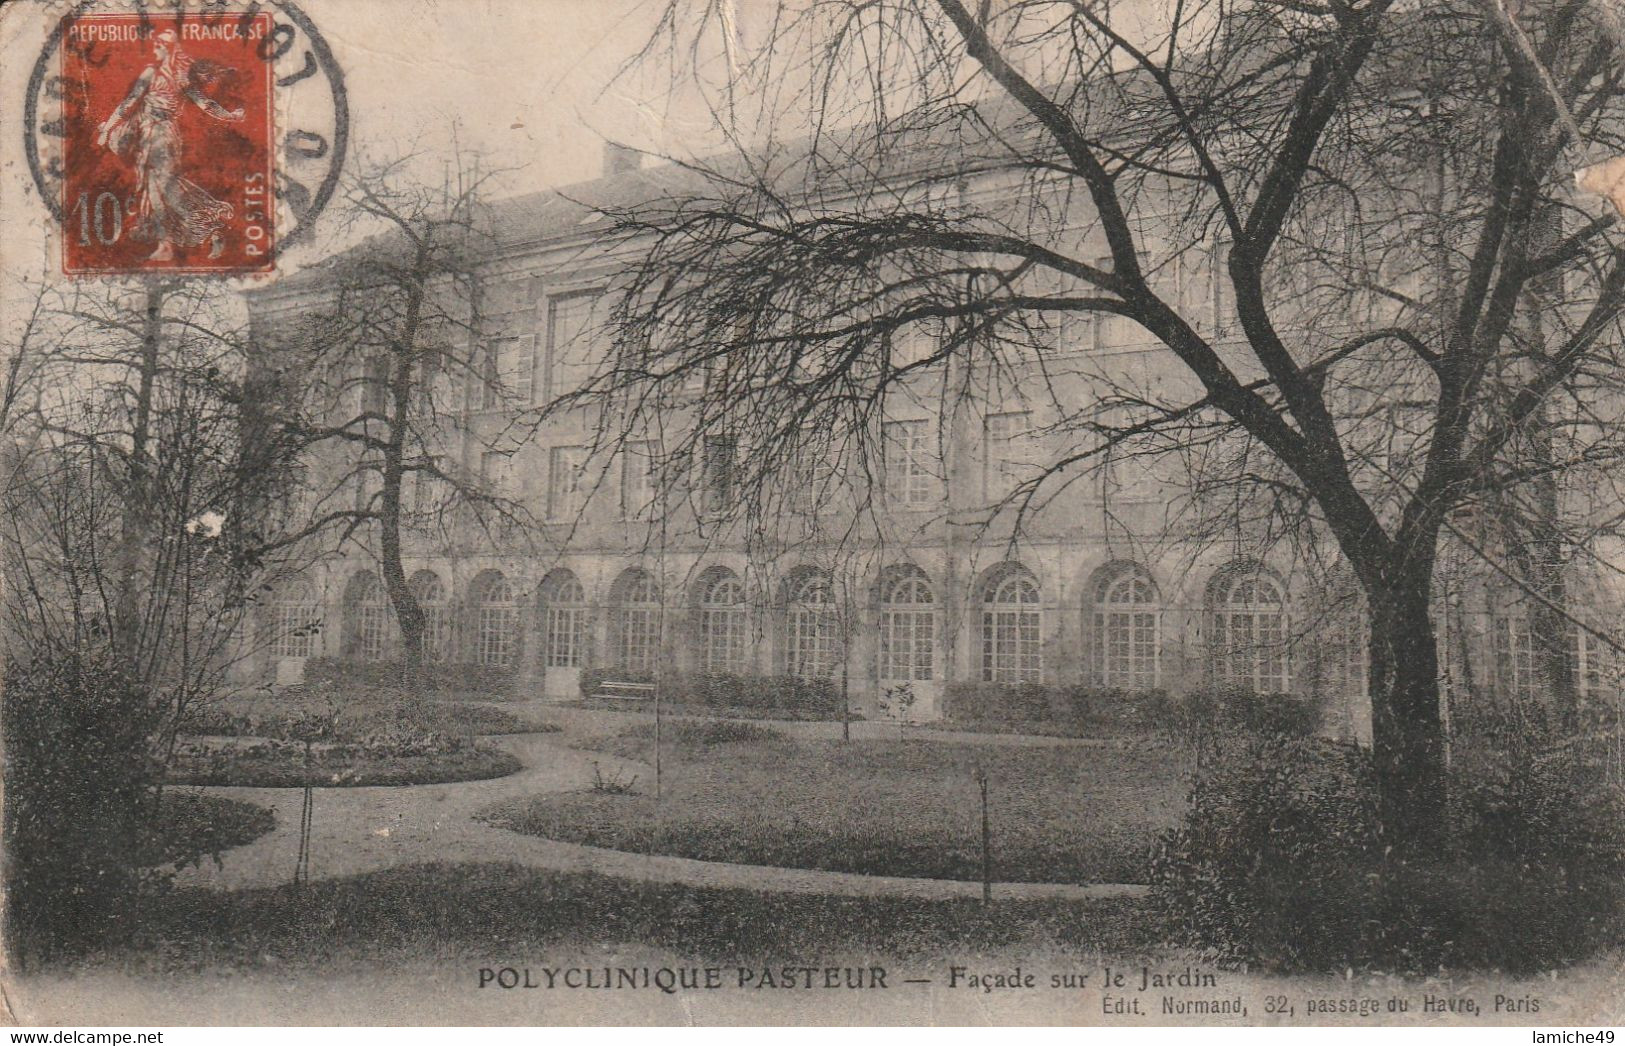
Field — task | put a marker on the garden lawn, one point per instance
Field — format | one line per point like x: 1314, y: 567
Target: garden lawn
x: 485, y: 910
x: 1072, y: 814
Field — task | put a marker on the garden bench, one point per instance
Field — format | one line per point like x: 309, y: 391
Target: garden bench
x: 625, y: 691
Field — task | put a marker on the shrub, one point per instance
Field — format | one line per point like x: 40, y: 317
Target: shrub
x: 81, y: 775
x: 759, y: 693
x: 1212, y: 716
x: 192, y: 826
x: 1280, y: 862
x: 1264, y: 828
x: 613, y: 783
x: 1074, y: 707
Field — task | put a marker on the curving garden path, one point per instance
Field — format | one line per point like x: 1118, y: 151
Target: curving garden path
x: 356, y: 830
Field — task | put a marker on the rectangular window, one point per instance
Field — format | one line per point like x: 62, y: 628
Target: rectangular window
x: 363, y: 482
x: 1223, y: 294
x: 375, y: 386
x: 575, y: 340
x: 1111, y: 330
x: 717, y: 474
x: 1191, y: 293
x: 813, y: 481
x: 639, y: 481
x: 485, y: 383
x: 1057, y: 330
x: 911, y: 478
x: 419, y: 492
x: 1006, y: 452
x: 493, y: 471
x: 564, y: 487
x: 915, y: 343
x: 508, y: 364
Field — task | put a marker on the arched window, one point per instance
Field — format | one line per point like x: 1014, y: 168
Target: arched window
x: 367, y: 613
x: 809, y: 628
x: 495, y: 620
x: 908, y: 629
x: 1011, y: 626
x: 1125, y: 639
x: 637, y: 622
x: 1249, y: 632
x: 431, y: 596
x: 564, y: 621
x: 294, y: 620
x: 722, y: 623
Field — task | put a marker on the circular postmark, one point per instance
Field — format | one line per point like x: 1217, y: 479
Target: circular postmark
x: 192, y: 137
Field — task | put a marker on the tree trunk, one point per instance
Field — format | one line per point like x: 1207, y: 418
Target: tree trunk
x: 1407, y: 728
x: 408, y: 612
x: 402, y: 385
x: 136, y: 525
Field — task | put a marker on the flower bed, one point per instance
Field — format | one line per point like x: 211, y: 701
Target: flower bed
x: 352, y: 713
x: 387, y: 760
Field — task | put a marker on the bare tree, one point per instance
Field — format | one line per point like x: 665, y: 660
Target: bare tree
x: 1331, y: 224
x: 401, y: 374
x: 141, y: 516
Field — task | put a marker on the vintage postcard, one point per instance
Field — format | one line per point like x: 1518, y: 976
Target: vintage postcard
x: 798, y: 512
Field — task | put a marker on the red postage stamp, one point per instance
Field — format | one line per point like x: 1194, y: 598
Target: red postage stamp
x: 168, y: 151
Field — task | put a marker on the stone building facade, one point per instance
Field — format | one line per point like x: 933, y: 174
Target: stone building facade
x: 1100, y: 586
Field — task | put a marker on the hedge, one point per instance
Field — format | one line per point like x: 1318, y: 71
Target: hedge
x: 436, y: 676
x: 1114, y: 710
x: 728, y: 690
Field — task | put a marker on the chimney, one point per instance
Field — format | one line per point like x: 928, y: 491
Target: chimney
x: 618, y: 159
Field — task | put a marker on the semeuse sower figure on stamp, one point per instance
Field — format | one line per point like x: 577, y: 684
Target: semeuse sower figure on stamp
x: 169, y: 208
